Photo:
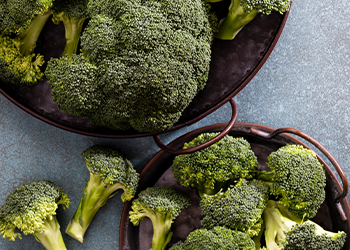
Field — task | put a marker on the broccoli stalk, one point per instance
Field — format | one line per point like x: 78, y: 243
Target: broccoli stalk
x: 73, y: 28
x: 51, y: 238
x: 241, y: 12
x: 292, y: 233
x: 235, y: 20
x: 17, y: 57
x: 73, y: 15
x: 161, y: 205
x: 31, y: 208
x: 109, y: 172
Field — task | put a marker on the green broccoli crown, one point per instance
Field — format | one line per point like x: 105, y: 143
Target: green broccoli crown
x: 19, y: 14
x: 16, y: 68
x: 311, y: 236
x: 155, y: 49
x: 229, y: 158
x: 298, y: 179
x: 287, y: 232
x: 267, y: 6
x: 19, y: 65
x: 219, y: 238
x: 112, y: 167
x: 239, y: 208
x: 28, y: 206
x: 158, y: 200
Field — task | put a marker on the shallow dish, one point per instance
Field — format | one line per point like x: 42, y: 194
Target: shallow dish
x: 234, y: 63
x: 333, y: 214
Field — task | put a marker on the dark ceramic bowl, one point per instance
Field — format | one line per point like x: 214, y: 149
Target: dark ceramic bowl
x: 234, y: 63
x: 333, y: 214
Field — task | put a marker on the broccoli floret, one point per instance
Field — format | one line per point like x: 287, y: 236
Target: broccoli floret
x: 19, y: 31
x: 219, y: 238
x: 161, y: 205
x: 241, y: 12
x: 31, y: 208
x: 291, y: 233
x: 239, y: 208
x: 73, y: 15
x: 297, y: 179
x: 152, y: 57
x: 109, y: 172
x: 212, y: 169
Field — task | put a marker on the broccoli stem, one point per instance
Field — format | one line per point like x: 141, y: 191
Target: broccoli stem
x: 30, y: 36
x: 51, y: 238
x: 161, y: 230
x: 235, y: 20
x: 73, y: 27
x: 94, y: 196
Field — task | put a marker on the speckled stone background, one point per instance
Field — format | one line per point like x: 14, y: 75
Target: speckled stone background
x: 304, y: 84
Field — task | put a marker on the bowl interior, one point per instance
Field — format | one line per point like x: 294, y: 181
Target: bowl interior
x: 158, y: 173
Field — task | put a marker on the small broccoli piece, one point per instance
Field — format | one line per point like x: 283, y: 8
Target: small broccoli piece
x: 161, y: 205
x: 109, y: 172
x: 297, y: 179
x: 73, y: 15
x: 212, y: 169
x: 31, y: 208
x: 218, y: 238
x: 19, y: 65
x: 152, y: 58
x: 241, y: 12
x: 239, y: 208
x: 291, y: 233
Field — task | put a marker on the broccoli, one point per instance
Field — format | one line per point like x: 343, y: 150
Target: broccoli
x: 161, y: 205
x: 148, y: 60
x: 31, y: 208
x: 297, y: 179
x: 291, y: 233
x: 239, y: 208
x: 241, y: 12
x: 109, y: 172
x: 219, y: 238
x: 73, y: 15
x: 19, y: 30
x: 213, y: 168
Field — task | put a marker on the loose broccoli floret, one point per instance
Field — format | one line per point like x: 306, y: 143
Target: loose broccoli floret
x: 241, y: 12
x: 239, y: 208
x: 161, y: 205
x: 212, y: 169
x: 73, y: 15
x: 19, y: 30
x: 297, y: 179
x: 218, y: 238
x: 31, y: 208
x: 291, y: 233
x: 151, y: 59
x: 109, y: 172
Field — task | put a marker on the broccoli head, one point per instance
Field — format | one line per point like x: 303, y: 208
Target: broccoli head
x: 241, y: 12
x: 31, y: 208
x: 151, y: 59
x: 219, y: 238
x: 19, y: 31
x: 239, y: 208
x: 109, y: 172
x: 291, y: 233
x: 161, y: 205
x: 212, y: 168
x: 297, y: 179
